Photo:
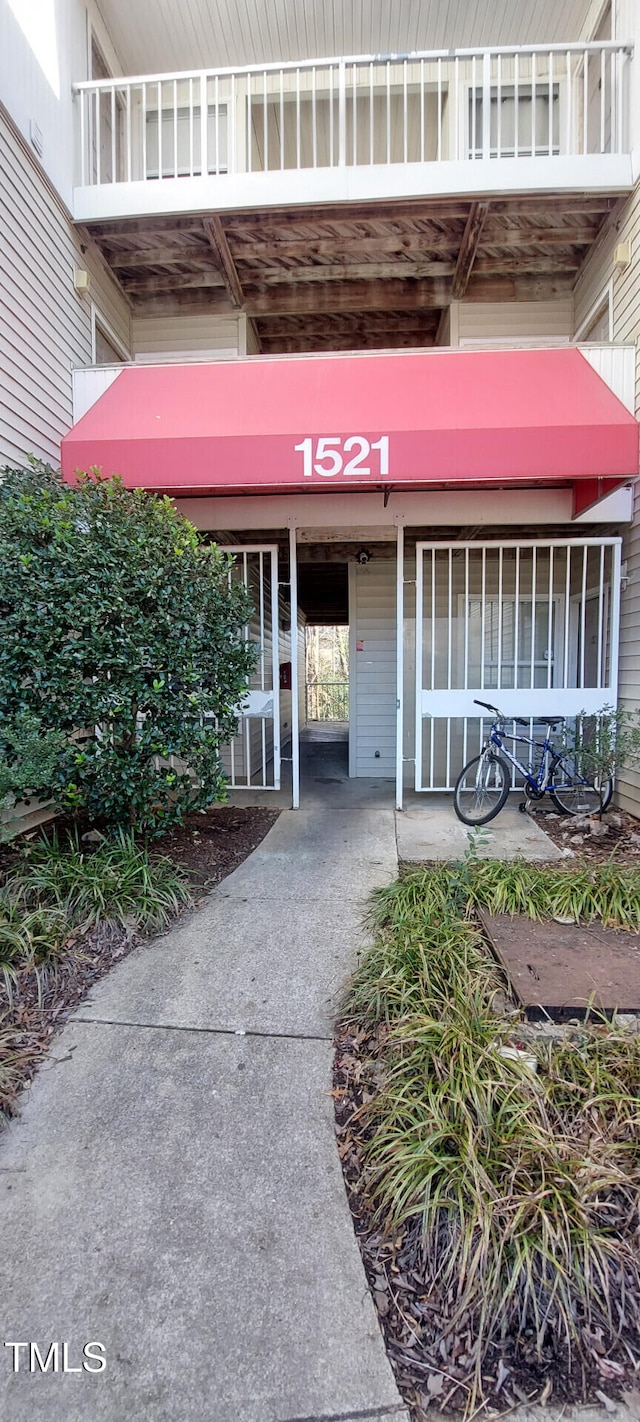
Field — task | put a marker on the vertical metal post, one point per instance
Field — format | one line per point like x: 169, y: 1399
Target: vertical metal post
x: 583, y: 613
x: 419, y: 615
x: 399, y: 665
x: 295, y: 717
x: 342, y: 114
x: 614, y: 634
x: 600, y: 615
x: 486, y: 105
x: 204, y: 125
x: 275, y: 663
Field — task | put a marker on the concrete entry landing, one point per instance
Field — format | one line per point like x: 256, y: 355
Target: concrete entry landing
x: 428, y: 828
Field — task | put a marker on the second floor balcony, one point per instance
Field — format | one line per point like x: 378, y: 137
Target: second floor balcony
x: 526, y: 119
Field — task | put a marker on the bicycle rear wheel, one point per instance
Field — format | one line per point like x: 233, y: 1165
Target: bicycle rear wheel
x: 573, y: 794
x: 481, y: 789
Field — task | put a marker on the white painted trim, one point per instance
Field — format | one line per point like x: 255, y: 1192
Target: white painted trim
x: 537, y: 703
x: 399, y: 667
x: 324, y: 61
x: 360, y: 510
x: 84, y: 393
x: 295, y: 717
x: 419, y: 620
x: 605, y: 295
x: 598, y: 172
x: 97, y: 319
x: 352, y: 670
x: 614, y: 508
x: 614, y: 634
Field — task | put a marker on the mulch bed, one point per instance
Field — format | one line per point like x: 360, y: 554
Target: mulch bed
x: 585, y: 838
x: 211, y: 845
x: 207, y: 847
x: 433, y: 1367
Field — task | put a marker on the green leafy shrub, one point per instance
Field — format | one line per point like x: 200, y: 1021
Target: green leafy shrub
x: 124, y: 655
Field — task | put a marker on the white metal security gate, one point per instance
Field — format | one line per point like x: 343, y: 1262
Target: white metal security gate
x: 531, y: 627
x: 252, y: 759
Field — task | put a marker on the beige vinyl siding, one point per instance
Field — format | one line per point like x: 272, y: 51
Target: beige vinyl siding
x: 514, y: 321
x: 45, y: 327
x: 591, y: 286
x: 109, y: 302
x: 186, y: 334
x: 372, y: 617
x: 302, y: 672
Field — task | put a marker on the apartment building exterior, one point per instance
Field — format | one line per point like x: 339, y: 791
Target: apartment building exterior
x: 372, y: 321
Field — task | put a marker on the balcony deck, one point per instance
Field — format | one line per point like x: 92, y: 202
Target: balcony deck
x: 467, y: 123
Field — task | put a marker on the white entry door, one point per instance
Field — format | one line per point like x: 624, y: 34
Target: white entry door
x: 252, y: 759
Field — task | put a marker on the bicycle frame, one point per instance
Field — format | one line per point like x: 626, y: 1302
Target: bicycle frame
x: 537, y: 784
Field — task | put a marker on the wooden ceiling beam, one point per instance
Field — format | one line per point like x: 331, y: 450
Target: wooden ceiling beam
x: 436, y: 209
x: 157, y: 257
x: 611, y: 224
x: 506, y: 237
x: 527, y: 263
x: 216, y: 236
x: 421, y: 242
x: 360, y: 341
x: 468, y: 249
x: 314, y: 297
x: 167, y: 285
x: 346, y: 323
x: 351, y: 271
x: 548, y: 202
x: 151, y: 227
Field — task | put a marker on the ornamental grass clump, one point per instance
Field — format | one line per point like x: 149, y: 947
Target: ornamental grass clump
x: 119, y: 881
x: 608, y: 893
x: 522, y: 1187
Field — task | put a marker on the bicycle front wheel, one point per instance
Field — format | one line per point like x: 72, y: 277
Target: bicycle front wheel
x: 481, y: 789
x: 573, y: 794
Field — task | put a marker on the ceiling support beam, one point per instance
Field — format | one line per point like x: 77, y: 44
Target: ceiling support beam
x: 468, y: 249
x: 216, y: 236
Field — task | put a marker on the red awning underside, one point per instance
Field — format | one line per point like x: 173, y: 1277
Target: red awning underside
x: 477, y: 417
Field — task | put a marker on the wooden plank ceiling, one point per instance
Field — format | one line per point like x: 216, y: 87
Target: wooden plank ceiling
x: 354, y: 278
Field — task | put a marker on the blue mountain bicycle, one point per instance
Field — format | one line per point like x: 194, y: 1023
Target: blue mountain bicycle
x: 482, y: 788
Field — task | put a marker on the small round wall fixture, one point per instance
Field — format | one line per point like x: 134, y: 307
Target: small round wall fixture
x: 363, y: 557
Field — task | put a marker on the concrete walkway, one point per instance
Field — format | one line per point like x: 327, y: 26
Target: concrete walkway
x: 172, y: 1189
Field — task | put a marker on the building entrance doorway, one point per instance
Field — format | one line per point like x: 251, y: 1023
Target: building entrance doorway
x: 323, y: 600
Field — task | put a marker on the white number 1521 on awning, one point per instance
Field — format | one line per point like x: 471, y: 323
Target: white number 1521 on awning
x: 331, y: 455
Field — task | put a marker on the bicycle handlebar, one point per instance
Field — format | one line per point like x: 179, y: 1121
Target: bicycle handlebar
x: 519, y: 720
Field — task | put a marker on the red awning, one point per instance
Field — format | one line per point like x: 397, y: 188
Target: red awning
x: 329, y: 422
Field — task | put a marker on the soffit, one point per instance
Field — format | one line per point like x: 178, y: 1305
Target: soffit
x: 156, y: 36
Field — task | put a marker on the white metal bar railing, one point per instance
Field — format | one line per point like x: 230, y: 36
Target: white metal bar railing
x: 428, y: 106
x: 531, y: 625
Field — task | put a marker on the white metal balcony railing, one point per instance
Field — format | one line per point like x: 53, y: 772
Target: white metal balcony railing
x: 526, y: 102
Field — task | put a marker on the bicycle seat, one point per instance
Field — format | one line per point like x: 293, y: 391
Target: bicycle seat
x: 549, y: 720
